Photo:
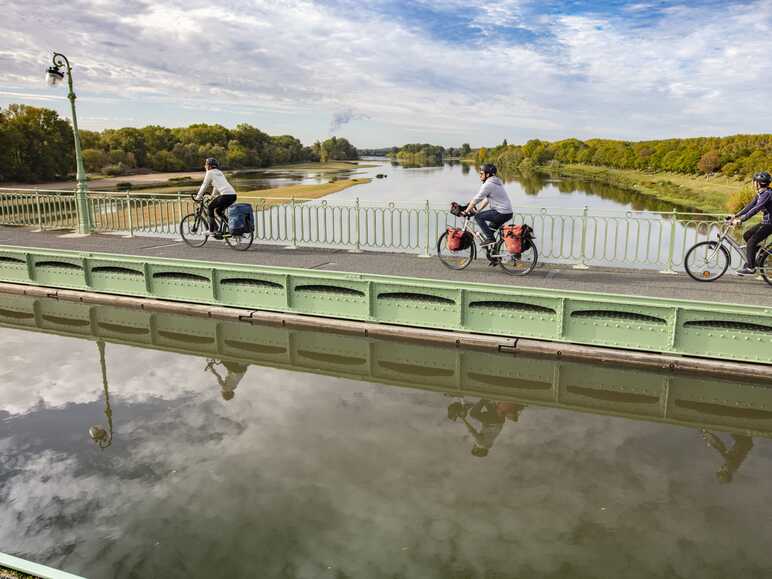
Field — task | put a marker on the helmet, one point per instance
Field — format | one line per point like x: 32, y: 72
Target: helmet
x: 212, y: 162
x: 488, y: 169
x: 763, y: 178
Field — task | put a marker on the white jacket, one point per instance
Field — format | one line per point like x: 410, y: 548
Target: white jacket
x: 219, y: 183
x: 493, y: 190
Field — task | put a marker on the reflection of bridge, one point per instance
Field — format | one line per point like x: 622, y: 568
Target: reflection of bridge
x: 743, y: 408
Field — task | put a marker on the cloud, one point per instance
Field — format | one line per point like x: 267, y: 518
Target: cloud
x: 640, y: 71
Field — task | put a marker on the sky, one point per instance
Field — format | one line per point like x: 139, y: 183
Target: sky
x: 389, y: 72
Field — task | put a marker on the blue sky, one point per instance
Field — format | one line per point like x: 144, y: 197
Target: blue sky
x: 384, y: 72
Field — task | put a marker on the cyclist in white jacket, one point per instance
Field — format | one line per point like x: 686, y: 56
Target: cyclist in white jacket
x: 492, y: 194
x: 223, y: 192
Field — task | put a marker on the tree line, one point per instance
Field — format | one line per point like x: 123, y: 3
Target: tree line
x: 37, y: 145
x: 426, y: 154
x: 734, y: 156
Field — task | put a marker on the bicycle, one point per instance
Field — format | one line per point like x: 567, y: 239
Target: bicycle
x: 710, y: 260
x: 521, y: 263
x: 194, y: 228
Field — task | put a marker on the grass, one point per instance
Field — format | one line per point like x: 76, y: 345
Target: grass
x: 6, y: 573
x: 711, y: 194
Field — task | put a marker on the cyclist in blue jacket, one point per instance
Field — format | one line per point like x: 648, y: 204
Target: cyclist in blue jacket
x: 758, y: 233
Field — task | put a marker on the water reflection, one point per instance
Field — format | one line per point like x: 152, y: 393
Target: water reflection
x: 103, y: 437
x: 308, y: 454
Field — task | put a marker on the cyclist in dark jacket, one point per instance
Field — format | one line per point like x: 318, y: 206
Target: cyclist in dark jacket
x: 758, y: 233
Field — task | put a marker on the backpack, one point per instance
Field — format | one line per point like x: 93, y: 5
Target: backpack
x: 517, y: 237
x: 241, y: 220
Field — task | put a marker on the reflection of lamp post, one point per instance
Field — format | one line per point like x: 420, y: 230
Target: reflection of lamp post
x: 98, y: 433
x: 54, y: 75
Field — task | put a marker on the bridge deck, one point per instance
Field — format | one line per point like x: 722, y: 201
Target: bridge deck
x: 647, y: 283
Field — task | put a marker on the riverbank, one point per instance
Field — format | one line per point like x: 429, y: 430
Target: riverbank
x: 159, y: 182
x: 314, y: 191
x: 710, y: 194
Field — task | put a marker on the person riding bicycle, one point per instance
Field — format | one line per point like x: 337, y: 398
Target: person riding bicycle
x: 224, y: 195
x: 758, y: 233
x: 491, y: 193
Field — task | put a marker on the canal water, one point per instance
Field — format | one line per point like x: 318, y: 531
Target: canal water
x: 136, y: 444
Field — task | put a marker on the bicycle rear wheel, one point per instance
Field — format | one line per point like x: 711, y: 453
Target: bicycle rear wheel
x: 707, y: 261
x: 516, y: 263
x: 454, y: 259
x: 194, y: 230
x: 240, y: 242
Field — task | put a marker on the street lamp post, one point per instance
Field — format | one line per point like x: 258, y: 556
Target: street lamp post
x: 54, y: 75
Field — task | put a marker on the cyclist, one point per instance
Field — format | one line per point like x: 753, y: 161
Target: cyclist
x: 223, y: 192
x: 228, y: 383
x: 758, y: 233
x: 493, y: 194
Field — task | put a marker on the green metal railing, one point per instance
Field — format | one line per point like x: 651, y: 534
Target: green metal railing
x: 583, y: 238
x: 703, y: 329
x: 33, y: 569
x: 688, y: 400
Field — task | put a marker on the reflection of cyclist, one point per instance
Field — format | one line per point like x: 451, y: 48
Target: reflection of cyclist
x: 758, y: 233
x: 490, y: 416
x: 491, y: 193
x: 235, y: 372
x: 733, y: 457
x: 224, y: 195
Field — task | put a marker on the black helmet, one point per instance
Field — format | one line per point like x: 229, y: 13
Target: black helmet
x: 488, y: 169
x: 763, y: 178
x: 212, y: 162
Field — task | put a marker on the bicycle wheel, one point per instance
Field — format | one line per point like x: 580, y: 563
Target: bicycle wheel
x: 516, y: 263
x: 240, y: 242
x: 765, y: 264
x: 194, y: 230
x: 454, y: 259
x: 707, y: 261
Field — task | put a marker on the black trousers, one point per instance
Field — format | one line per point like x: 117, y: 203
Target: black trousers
x: 219, y: 204
x: 753, y: 237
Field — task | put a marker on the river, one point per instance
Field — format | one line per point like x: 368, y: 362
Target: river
x: 156, y: 445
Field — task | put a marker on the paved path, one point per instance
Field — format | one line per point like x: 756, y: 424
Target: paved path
x: 729, y: 289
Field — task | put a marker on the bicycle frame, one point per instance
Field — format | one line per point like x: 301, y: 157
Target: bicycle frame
x: 724, y: 237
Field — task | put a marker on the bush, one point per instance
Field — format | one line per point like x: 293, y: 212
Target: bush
x: 124, y: 185
x: 740, y: 199
x: 114, y: 170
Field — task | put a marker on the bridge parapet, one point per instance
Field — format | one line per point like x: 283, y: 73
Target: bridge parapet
x: 703, y: 329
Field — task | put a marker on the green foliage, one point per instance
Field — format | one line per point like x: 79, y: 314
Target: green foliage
x: 740, y: 199
x: 738, y: 155
x: 335, y: 149
x: 35, y: 145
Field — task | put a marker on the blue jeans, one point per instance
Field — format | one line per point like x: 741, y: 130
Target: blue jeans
x: 492, y: 217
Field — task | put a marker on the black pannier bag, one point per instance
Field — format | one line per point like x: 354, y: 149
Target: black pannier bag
x: 241, y: 219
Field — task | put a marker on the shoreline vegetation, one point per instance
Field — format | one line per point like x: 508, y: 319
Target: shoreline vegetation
x: 710, y: 174
x: 706, y: 194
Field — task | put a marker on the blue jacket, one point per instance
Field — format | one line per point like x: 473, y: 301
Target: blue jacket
x: 762, y: 202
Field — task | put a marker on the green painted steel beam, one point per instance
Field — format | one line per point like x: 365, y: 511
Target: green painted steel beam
x: 704, y: 329
x: 694, y: 401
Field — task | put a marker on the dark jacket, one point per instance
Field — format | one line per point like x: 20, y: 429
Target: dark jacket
x: 762, y: 202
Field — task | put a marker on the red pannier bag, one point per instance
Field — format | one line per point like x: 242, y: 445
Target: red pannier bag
x: 455, y: 239
x: 513, y: 237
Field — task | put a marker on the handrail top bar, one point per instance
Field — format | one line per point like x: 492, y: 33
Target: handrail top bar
x: 364, y: 204
x: 332, y: 275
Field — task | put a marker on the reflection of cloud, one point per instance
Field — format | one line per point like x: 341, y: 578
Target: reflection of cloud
x: 304, y: 476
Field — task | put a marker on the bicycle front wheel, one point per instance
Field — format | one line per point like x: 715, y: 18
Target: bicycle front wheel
x: 194, y: 230
x: 765, y: 264
x: 516, y: 263
x: 707, y: 261
x: 240, y: 242
x: 454, y: 259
